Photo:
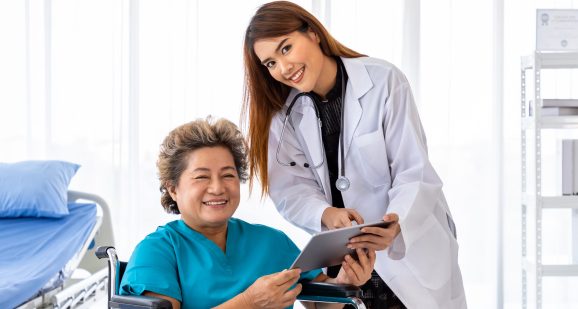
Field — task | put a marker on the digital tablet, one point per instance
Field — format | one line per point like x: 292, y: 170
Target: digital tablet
x: 330, y: 247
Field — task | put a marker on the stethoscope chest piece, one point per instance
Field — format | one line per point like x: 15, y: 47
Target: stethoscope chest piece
x: 342, y: 183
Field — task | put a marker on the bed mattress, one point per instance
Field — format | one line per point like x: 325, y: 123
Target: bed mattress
x: 34, y: 250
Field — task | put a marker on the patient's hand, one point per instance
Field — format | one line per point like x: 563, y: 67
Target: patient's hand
x: 272, y: 291
x: 356, y: 272
x: 334, y: 217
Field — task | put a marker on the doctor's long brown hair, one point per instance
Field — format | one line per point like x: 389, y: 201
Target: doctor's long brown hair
x: 263, y: 95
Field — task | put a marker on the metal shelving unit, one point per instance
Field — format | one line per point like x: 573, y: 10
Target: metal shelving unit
x: 533, y: 203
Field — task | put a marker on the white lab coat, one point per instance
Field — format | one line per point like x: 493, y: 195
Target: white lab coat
x: 387, y: 163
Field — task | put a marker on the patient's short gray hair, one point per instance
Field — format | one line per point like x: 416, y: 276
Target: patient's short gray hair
x: 183, y: 140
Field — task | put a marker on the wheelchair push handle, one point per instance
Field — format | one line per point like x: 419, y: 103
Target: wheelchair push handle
x: 101, y: 252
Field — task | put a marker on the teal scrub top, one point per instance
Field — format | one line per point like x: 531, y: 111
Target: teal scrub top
x: 181, y: 263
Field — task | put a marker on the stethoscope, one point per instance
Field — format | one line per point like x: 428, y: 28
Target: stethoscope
x: 342, y: 183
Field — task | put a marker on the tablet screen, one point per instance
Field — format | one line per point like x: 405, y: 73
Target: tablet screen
x: 328, y: 248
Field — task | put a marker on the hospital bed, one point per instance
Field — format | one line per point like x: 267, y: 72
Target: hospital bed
x: 50, y: 263
x: 312, y: 291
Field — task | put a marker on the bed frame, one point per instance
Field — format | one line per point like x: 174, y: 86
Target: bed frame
x: 92, y: 285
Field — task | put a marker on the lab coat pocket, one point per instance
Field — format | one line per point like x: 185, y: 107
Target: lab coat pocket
x: 429, y: 256
x: 373, y: 158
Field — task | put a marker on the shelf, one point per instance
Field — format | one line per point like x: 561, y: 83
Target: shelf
x: 554, y: 60
x: 552, y: 270
x: 551, y: 122
x: 534, y: 205
x: 570, y: 201
x: 559, y: 102
x: 552, y: 202
x: 560, y: 270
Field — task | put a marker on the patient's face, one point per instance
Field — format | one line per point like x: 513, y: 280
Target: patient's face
x: 208, y: 190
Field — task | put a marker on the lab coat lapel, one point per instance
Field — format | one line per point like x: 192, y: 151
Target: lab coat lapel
x: 352, y: 114
x: 306, y: 122
x: 358, y: 84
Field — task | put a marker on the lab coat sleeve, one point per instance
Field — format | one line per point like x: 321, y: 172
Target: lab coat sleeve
x: 297, y: 195
x: 416, y: 187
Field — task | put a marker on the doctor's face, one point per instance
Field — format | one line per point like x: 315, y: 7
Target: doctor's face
x: 296, y: 60
x: 207, y: 193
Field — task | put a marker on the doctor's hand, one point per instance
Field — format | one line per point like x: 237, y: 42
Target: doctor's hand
x: 334, y: 217
x: 273, y: 291
x: 356, y: 272
x: 377, y: 238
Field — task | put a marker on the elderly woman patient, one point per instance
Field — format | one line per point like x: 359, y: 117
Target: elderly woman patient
x: 207, y: 258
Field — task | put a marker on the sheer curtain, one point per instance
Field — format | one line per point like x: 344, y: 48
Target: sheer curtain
x: 100, y: 83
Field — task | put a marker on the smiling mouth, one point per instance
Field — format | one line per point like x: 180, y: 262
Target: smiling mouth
x: 216, y: 203
x: 296, y: 78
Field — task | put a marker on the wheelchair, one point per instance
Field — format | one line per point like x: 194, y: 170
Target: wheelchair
x: 318, y: 292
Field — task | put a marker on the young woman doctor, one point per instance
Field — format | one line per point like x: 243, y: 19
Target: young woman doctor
x: 335, y: 136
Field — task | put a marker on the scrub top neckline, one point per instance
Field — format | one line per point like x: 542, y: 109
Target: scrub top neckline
x: 224, y: 257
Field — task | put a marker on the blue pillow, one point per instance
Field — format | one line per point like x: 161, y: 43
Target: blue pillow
x: 35, y: 188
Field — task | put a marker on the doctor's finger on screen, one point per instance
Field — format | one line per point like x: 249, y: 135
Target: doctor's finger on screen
x: 334, y: 217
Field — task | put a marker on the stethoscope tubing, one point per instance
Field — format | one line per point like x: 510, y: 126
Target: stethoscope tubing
x: 286, y: 120
x: 342, y: 182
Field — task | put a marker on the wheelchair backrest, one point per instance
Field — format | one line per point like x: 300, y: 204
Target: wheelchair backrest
x: 121, y: 267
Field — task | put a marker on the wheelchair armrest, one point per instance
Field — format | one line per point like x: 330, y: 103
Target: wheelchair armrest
x: 324, y: 289
x: 134, y: 302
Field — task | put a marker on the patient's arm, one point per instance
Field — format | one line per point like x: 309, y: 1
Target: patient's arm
x: 175, y: 303
x: 238, y: 302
